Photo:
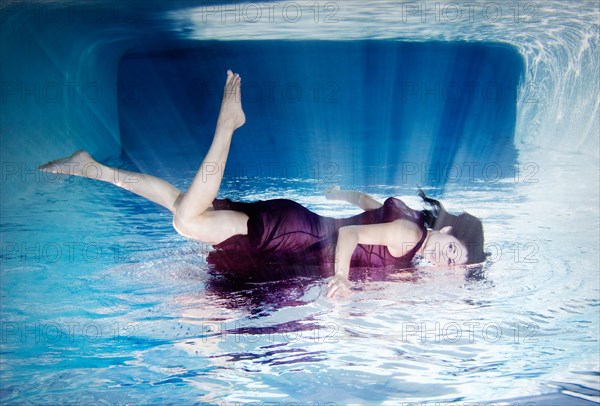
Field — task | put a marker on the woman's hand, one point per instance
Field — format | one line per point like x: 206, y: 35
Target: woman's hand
x: 338, y: 286
x: 362, y: 200
x: 346, y: 243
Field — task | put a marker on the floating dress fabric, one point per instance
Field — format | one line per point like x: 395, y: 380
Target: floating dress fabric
x: 285, y: 239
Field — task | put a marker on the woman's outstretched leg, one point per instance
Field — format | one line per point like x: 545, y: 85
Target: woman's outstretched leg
x: 152, y: 188
x: 203, y: 190
x: 193, y: 216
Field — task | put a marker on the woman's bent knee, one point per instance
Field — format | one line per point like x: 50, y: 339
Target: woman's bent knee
x: 194, y: 228
x: 180, y: 226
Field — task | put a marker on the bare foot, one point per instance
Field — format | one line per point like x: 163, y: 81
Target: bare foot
x: 231, y: 114
x: 71, y: 165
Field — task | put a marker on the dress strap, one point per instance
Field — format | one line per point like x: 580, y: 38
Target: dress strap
x: 413, y: 252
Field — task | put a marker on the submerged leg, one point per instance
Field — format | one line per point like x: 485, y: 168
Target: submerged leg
x: 152, y: 188
x: 203, y: 190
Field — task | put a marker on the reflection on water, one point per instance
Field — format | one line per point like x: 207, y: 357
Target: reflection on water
x: 557, y: 38
x: 154, y: 317
x: 103, y: 302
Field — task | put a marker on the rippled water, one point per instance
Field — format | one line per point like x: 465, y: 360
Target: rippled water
x: 131, y: 314
x: 102, y: 302
x: 557, y: 38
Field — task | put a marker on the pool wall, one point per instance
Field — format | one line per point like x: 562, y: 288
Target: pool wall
x: 60, y: 71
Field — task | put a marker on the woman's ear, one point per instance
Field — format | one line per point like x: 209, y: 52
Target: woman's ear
x: 446, y: 229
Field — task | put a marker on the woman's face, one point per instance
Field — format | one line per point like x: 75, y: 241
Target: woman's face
x: 443, y: 249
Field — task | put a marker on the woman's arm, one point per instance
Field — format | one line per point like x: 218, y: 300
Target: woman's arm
x: 362, y: 200
x: 399, y: 236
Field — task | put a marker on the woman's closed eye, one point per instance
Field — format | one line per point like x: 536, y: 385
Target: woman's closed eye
x: 451, y: 254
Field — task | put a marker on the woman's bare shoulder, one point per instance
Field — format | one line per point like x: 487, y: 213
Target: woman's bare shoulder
x: 407, y: 234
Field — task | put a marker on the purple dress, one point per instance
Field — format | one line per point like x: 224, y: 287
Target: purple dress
x: 285, y: 239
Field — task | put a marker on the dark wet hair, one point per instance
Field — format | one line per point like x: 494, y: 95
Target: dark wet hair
x: 466, y: 228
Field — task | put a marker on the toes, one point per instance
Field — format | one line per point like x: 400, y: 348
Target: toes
x: 231, y: 75
x: 233, y: 80
x: 230, y: 78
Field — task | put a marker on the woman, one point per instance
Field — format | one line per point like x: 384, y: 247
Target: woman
x: 270, y: 236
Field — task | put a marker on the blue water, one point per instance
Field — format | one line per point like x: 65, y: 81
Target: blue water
x: 102, y: 302
x: 314, y: 121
